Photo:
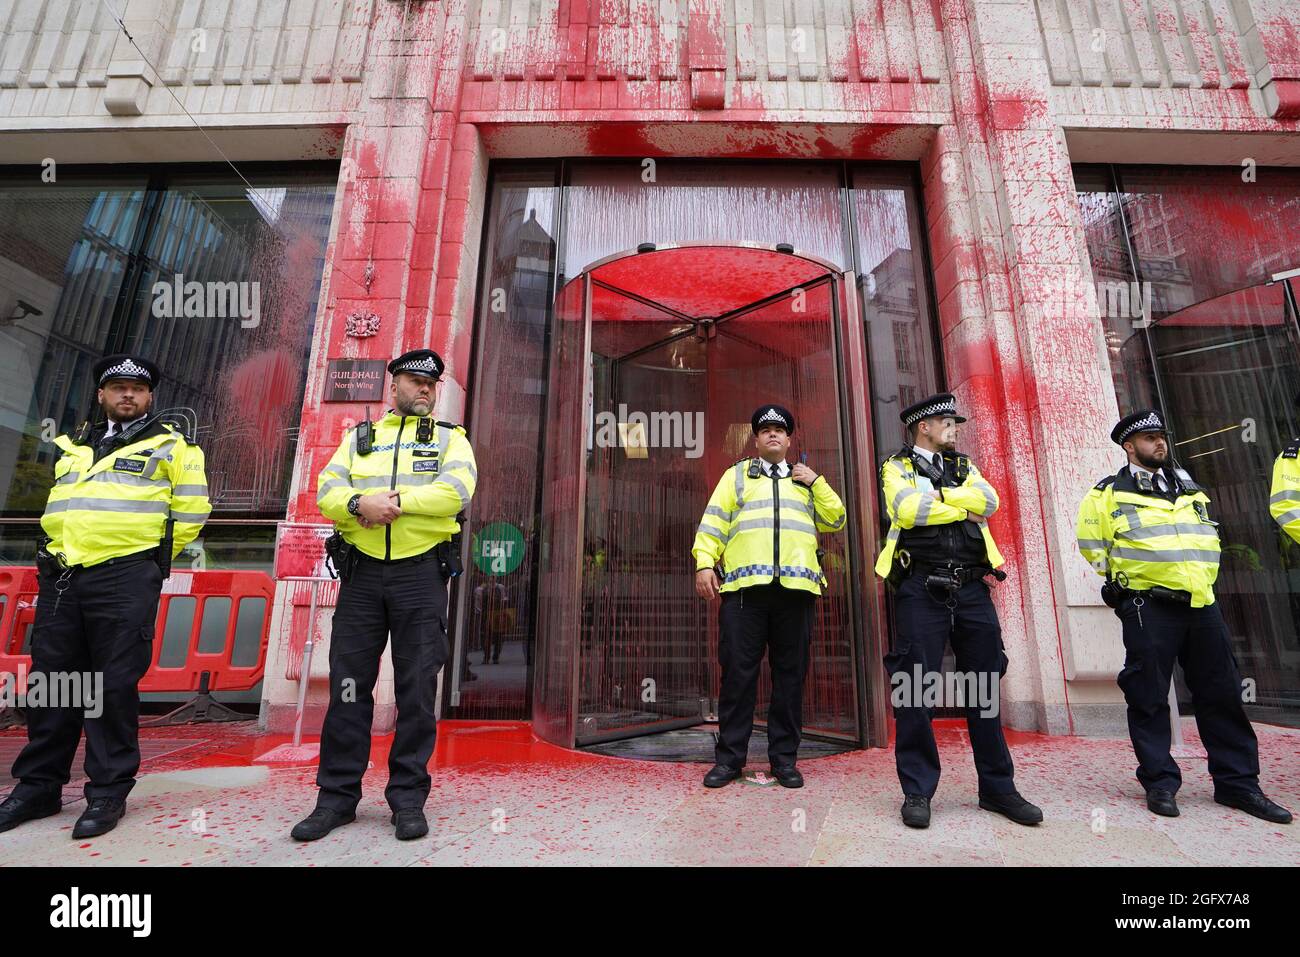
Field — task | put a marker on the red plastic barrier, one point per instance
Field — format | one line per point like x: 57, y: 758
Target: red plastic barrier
x: 18, y: 591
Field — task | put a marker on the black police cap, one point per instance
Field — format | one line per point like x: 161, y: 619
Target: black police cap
x: 423, y: 362
x: 943, y: 403
x: 772, y: 415
x: 1144, y: 420
x: 126, y: 366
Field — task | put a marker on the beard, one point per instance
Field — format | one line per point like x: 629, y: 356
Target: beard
x: 1151, y: 462
x: 111, y: 413
x: 407, y: 407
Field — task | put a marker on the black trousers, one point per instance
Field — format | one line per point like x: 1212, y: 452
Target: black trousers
x: 407, y: 600
x: 923, y: 627
x: 103, y: 625
x: 779, y: 620
x: 1155, y: 635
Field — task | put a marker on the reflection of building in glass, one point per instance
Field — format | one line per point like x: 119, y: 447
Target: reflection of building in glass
x: 896, y: 329
x: 76, y: 288
x: 63, y: 261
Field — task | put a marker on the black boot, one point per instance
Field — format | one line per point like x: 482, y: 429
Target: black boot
x: 16, y: 810
x: 787, y: 776
x: 100, y: 817
x: 319, y: 823
x: 1160, y: 801
x: 1254, y: 802
x: 916, y: 810
x: 720, y: 775
x: 1013, y: 806
x: 411, y: 823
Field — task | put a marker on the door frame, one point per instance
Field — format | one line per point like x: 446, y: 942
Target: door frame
x: 866, y: 597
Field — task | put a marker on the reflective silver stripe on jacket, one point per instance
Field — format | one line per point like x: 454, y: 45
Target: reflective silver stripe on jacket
x: 710, y: 531
x: 157, y: 456
x: 459, y: 486
x: 1132, y: 511
x: 752, y: 524
x: 1173, y: 528
x: 1170, y: 555
x: 106, y: 505
x: 1287, y: 517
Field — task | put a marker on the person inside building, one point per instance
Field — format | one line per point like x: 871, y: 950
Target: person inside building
x: 491, y: 618
x: 1147, y: 530
x: 394, y: 490
x: 129, y: 494
x: 941, y: 561
x: 761, y: 527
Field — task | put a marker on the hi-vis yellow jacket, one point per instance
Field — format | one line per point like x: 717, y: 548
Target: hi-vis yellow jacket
x: 1152, y: 540
x: 119, y: 505
x: 1284, y: 502
x: 910, y: 507
x: 765, y: 530
x: 436, y: 478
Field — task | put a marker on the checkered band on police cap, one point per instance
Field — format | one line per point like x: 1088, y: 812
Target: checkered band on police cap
x: 1147, y: 420
x: 418, y: 362
x: 943, y: 404
x: 127, y: 368
x: 772, y: 415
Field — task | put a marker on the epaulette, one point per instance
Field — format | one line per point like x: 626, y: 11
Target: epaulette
x: 1105, y: 483
x: 452, y: 425
x: 902, y: 455
x: 1292, y: 450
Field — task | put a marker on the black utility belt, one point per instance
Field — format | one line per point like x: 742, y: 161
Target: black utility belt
x: 1172, y: 595
x: 55, y: 567
x: 960, y: 573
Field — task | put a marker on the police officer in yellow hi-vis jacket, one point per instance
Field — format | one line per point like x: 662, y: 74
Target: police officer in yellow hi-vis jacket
x: 394, y: 490
x: 128, y: 495
x: 939, y: 556
x: 761, y: 525
x: 1147, y: 530
x: 1284, y: 498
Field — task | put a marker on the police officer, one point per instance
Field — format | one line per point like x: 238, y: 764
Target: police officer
x: 941, y: 560
x: 761, y: 525
x: 128, y: 495
x: 393, y: 490
x: 1284, y: 500
x: 1147, y: 530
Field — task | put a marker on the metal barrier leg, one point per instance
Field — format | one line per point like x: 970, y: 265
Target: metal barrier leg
x: 298, y: 753
x: 304, y: 675
x: 201, y: 709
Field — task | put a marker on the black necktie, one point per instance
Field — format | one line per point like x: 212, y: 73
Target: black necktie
x: 104, y: 445
x: 1158, y: 484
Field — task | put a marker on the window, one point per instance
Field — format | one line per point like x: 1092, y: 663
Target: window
x: 1181, y: 257
x: 99, y: 262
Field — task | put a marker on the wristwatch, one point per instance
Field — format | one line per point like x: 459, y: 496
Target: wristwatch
x: 354, y: 504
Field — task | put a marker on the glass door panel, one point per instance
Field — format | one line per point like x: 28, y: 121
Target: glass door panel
x: 563, y: 490
x: 1229, y: 373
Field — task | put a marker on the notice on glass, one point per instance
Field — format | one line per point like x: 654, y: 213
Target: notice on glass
x: 300, y: 551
